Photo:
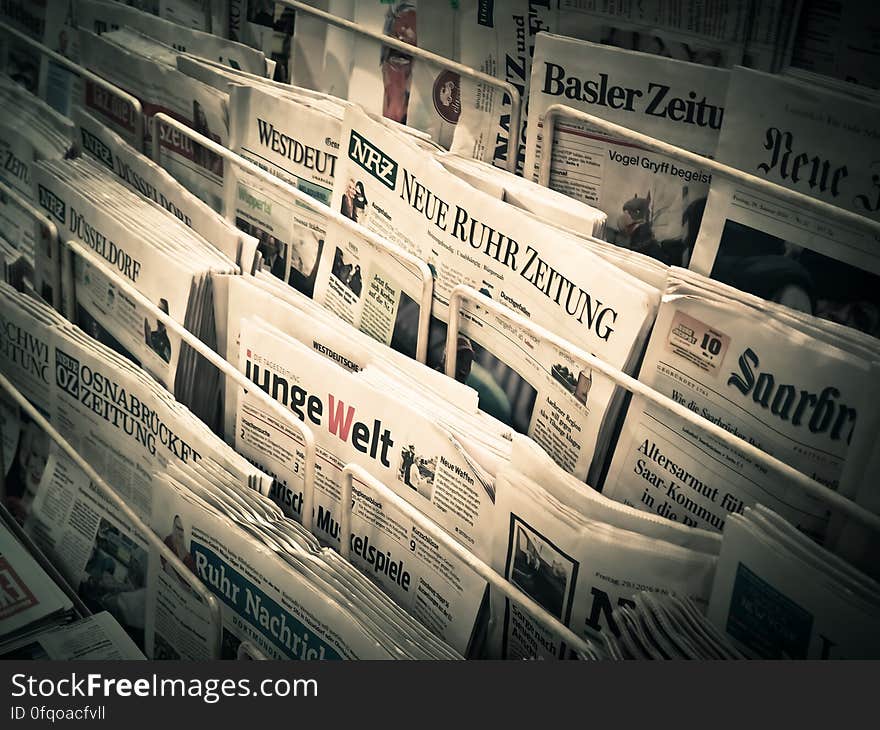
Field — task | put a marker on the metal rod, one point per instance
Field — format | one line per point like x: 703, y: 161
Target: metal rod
x: 420, y: 53
x: 84, y: 73
x: 464, y: 293
x: 305, y: 433
x: 304, y: 198
x: 168, y: 554
x: 823, y: 208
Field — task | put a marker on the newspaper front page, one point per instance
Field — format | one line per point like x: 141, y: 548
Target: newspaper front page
x: 814, y: 141
x: 353, y: 423
x: 298, y: 143
x: 653, y: 203
x: 114, y: 567
x: 784, y: 389
x: 577, y: 568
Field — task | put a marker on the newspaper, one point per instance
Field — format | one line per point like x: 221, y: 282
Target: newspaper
x: 53, y: 25
x: 97, y: 637
x: 664, y: 627
x: 653, y: 202
x: 114, y: 567
x: 99, y: 16
x: 737, y: 362
x: 297, y: 142
x: 817, y: 142
x: 466, y: 236
x: 113, y: 413
x: 30, y: 247
x: 160, y: 88
x: 777, y: 597
x: 148, y: 179
x: 29, y: 599
x: 578, y: 568
x: 34, y: 133
x: 838, y: 40
x: 711, y: 33
x: 352, y: 422
x: 382, y: 293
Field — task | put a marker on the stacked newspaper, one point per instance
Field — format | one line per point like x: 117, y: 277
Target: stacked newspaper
x: 93, y: 637
x: 35, y: 132
x: 139, y: 173
x: 184, y: 483
x: 653, y: 203
x: 24, y: 231
x: 296, y: 139
x: 661, y: 627
x: 788, y: 384
x: 397, y: 189
x: 367, y: 405
x: 118, y: 230
x: 581, y: 555
x: 147, y: 69
x: 816, y: 141
x: 777, y: 595
x: 30, y: 601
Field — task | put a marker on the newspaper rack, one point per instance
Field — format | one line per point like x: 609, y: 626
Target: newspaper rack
x: 288, y: 419
x: 137, y: 113
x: 353, y: 471
x: 463, y: 293
x: 169, y: 555
x: 557, y: 111
x: 434, y: 58
x: 310, y: 202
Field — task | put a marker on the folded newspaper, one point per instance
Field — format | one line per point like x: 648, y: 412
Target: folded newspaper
x: 816, y: 141
x: 653, y: 203
x: 580, y: 556
x: 788, y: 384
x: 30, y: 600
x: 99, y: 636
x: 147, y: 69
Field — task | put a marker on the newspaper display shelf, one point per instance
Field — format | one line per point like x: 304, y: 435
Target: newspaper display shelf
x: 461, y: 296
x: 136, y: 109
x: 195, y: 585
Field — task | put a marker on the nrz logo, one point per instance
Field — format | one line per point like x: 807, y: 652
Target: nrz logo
x: 52, y: 203
x: 67, y: 373
x: 373, y: 160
